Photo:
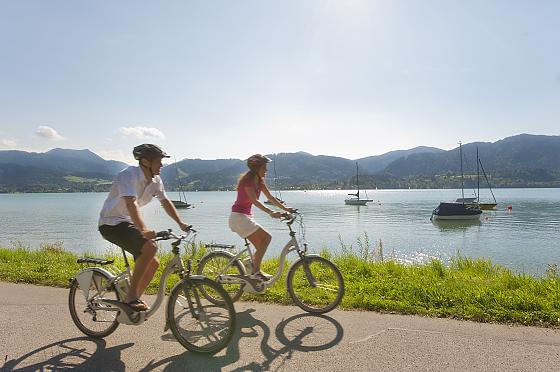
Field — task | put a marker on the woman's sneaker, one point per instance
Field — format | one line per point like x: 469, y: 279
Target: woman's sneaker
x: 260, y: 275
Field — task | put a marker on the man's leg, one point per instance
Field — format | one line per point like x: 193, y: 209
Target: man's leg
x: 145, y: 266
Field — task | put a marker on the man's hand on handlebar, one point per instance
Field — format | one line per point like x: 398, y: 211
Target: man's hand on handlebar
x: 148, y: 234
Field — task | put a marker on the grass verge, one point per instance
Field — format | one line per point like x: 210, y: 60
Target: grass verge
x: 473, y: 289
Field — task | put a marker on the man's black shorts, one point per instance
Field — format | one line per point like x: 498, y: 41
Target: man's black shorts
x: 126, y: 236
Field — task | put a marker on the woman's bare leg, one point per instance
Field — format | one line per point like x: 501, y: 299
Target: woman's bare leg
x: 260, y: 239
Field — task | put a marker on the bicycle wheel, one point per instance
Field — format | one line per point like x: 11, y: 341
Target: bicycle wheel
x: 315, y: 284
x: 94, y: 320
x: 200, y: 325
x: 218, y: 262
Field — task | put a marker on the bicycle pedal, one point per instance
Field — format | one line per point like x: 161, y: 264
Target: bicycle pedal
x: 254, y: 286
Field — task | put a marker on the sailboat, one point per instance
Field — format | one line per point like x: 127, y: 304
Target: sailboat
x: 460, y: 209
x: 488, y: 206
x: 357, y: 200
x: 277, y: 192
x: 182, y: 202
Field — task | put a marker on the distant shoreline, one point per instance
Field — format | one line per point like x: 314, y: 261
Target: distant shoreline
x: 282, y: 190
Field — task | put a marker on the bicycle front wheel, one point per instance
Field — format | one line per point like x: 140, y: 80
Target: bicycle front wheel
x: 218, y: 263
x: 93, y: 319
x: 315, y: 284
x: 201, y: 325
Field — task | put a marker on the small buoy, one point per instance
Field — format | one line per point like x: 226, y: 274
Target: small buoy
x: 509, y: 208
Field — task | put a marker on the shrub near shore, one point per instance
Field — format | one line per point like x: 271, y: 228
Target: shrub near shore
x: 473, y: 289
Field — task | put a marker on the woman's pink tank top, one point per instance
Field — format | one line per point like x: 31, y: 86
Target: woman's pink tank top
x: 243, y: 204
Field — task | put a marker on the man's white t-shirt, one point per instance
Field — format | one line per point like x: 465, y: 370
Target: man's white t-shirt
x: 129, y: 182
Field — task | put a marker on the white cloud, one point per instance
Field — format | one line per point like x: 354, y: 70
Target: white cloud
x: 6, y: 143
x: 142, y: 132
x: 48, y: 133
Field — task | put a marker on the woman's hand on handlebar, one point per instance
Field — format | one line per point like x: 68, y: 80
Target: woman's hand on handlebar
x: 185, y: 227
x: 276, y: 214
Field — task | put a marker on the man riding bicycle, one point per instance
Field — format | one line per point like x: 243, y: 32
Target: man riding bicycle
x: 121, y: 222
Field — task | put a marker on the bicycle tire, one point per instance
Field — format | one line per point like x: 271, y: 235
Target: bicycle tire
x: 95, y: 323
x: 328, y: 290
x: 199, y: 324
x: 213, y: 263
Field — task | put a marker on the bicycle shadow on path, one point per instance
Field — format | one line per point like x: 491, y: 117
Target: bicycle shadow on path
x: 298, y: 333
x: 79, y: 353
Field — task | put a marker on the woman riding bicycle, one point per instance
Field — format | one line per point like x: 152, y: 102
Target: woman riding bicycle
x: 241, y: 220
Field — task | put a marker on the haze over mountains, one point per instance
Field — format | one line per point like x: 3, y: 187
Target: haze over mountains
x: 518, y: 161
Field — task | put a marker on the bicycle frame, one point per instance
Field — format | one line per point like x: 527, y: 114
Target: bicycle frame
x: 291, y: 245
x: 125, y: 314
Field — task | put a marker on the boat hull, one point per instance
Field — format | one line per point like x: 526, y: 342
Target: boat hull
x: 180, y: 204
x: 455, y: 211
x: 483, y: 206
x: 356, y: 201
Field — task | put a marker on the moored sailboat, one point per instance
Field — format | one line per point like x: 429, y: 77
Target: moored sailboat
x: 462, y: 209
x: 357, y: 200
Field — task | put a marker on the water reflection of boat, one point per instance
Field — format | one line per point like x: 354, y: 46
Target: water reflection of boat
x: 444, y: 225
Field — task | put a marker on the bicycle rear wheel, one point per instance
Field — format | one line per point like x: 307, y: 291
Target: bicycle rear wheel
x: 93, y: 319
x: 201, y: 325
x: 216, y: 263
x: 315, y: 284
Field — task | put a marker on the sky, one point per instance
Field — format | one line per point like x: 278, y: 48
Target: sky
x: 226, y: 79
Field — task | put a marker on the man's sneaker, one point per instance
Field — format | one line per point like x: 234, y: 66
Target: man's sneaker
x: 260, y: 276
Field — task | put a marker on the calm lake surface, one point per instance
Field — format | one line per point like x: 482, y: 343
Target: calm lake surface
x: 525, y: 239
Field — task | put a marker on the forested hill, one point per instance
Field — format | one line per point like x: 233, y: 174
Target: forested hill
x: 56, y: 170
x: 518, y: 161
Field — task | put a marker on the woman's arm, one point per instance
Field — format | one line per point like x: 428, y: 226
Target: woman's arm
x: 253, y: 197
x: 275, y: 201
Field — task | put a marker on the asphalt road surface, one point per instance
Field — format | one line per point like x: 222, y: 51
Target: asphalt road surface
x: 37, y: 334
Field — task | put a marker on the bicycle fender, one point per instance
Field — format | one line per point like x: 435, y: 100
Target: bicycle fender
x: 191, y: 277
x: 84, y: 278
x: 296, y: 261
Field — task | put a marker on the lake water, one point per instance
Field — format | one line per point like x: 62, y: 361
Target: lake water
x: 525, y: 239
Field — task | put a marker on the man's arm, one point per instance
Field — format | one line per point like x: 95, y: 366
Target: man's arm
x: 172, y: 212
x: 137, y: 220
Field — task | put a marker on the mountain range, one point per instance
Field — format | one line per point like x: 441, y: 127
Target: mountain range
x: 519, y: 161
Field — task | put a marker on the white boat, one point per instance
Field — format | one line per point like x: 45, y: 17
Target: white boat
x: 356, y: 200
x: 277, y: 192
x: 180, y: 204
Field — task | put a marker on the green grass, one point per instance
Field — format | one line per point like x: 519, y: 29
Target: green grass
x: 467, y: 288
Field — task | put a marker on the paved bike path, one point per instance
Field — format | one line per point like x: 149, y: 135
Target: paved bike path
x: 37, y: 333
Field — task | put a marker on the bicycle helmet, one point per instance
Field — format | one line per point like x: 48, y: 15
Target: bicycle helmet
x: 148, y: 151
x: 256, y: 161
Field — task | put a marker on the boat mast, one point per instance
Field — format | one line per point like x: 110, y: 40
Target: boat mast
x: 462, y: 182
x: 357, y: 181
x: 477, y: 175
x: 277, y: 192
x: 487, y: 181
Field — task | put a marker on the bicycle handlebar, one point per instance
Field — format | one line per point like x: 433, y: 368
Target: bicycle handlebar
x: 168, y: 234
